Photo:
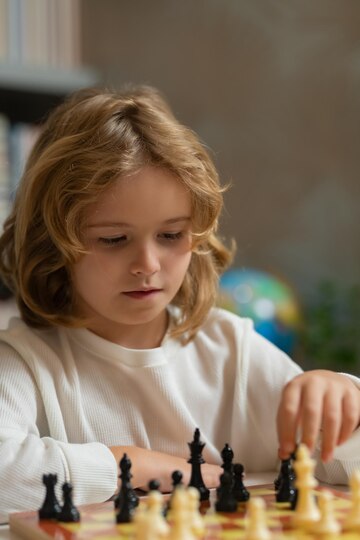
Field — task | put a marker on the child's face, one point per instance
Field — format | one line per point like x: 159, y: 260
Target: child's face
x: 138, y: 237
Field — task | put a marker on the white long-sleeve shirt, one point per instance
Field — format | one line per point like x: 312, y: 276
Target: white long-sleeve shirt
x: 66, y: 395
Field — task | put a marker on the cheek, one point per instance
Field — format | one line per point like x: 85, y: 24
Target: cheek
x: 180, y: 263
x: 88, y: 271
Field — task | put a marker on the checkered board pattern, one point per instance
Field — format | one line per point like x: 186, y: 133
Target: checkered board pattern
x: 98, y: 522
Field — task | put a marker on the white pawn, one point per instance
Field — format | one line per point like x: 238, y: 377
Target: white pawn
x: 181, y: 528
x: 256, y: 528
x: 150, y: 523
x: 352, y: 521
x: 195, y: 518
x: 328, y: 526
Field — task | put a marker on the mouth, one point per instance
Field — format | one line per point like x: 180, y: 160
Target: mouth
x: 142, y: 293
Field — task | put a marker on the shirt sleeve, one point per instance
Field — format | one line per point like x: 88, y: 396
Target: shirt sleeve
x: 27, y: 450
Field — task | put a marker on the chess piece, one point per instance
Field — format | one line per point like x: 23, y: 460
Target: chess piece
x: 126, y: 509
x: 195, y: 518
x: 286, y: 489
x: 327, y: 526
x: 150, y: 523
x: 126, y: 491
x: 176, y: 477
x: 196, y: 480
x: 277, y: 481
x: 256, y: 526
x: 352, y: 520
x: 51, y: 508
x: 154, y: 485
x: 240, y: 492
x: 69, y: 513
x: 227, y: 456
x: 306, y: 511
x: 225, y: 501
x: 181, y: 528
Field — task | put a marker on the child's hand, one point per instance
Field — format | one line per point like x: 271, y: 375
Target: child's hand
x: 316, y: 401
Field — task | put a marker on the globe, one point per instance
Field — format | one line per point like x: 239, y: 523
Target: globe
x: 269, y: 301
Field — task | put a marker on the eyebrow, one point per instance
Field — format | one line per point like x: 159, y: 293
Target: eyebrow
x: 123, y: 224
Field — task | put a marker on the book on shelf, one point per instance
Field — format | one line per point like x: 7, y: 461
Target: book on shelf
x: 16, y: 142
x: 40, y: 32
x: 4, y: 168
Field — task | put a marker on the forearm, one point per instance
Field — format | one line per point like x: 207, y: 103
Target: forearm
x: 149, y: 464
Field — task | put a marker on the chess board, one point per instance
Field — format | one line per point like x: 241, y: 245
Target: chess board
x: 98, y: 522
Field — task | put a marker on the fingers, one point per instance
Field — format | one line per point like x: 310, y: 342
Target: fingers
x: 350, y: 408
x: 314, y: 401
x: 287, y: 418
x: 311, y: 412
x: 331, y: 425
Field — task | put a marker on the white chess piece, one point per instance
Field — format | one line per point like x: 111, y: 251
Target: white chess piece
x: 256, y: 527
x: 181, y: 528
x: 149, y: 522
x: 352, y: 521
x: 327, y: 525
x: 306, y: 512
x: 195, y: 518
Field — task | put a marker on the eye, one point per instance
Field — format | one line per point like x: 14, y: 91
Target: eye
x: 172, y: 236
x: 112, y: 240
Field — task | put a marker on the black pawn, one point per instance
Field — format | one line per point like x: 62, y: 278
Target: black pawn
x: 196, y: 447
x: 51, y: 508
x: 240, y: 492
x: 154, y: 485
x: 126, y: 490
x: 69, y: 512
x: 176, y: 477
x: 286, y: 490
x: 225, y: 501
x: 227, y: 456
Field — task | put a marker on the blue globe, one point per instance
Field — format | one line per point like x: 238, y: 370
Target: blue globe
x: 268, y: 301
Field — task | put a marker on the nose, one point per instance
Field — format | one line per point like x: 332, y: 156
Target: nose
x: 145, y: 261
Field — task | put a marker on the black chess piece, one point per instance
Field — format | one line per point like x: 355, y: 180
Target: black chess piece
x: 126, y: 509
x: 294, y: 501
x: 177, y: 477
x: 196, y: 480
x: 51, y: 508
x: 126, y: 490
x: 277, y: 481
x: 240, y: 492
x: 227, y: 456
x: 225, y: 501
x: 69, y: 513
x: 286, y: 490
x: 154, y: 485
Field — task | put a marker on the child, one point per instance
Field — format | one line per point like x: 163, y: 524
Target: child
x: 112, y: 253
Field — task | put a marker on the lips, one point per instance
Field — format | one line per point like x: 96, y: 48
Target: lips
x: 142, y: 293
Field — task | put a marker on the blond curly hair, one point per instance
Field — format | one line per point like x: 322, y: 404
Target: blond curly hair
x: 87, y: 142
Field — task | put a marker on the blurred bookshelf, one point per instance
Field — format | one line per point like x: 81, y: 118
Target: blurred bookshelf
x: 40, y: 64
x: 27, y: 93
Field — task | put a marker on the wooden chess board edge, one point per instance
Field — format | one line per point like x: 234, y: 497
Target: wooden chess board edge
x: 20, y: 527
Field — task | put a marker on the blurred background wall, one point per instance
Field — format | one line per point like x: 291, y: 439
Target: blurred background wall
x: 273, y: 88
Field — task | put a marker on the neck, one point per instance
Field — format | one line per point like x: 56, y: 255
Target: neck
x: 137, y: 336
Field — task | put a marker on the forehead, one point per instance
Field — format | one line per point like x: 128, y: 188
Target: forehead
x: 151, y: 194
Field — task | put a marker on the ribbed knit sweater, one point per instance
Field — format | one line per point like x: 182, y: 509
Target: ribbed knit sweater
x: 67, y: 394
